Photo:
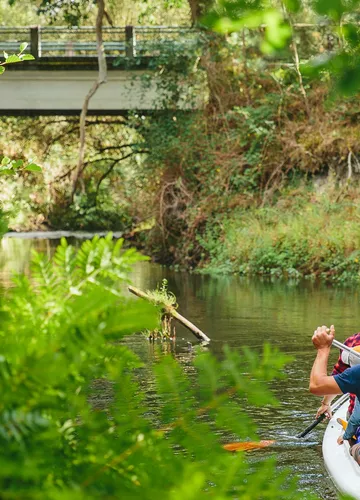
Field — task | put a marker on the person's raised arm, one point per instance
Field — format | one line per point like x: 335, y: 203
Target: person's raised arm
x: 320, y: 383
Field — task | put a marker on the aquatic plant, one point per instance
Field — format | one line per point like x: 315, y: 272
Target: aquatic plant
x: 165, y: 299
x: 162, y: 296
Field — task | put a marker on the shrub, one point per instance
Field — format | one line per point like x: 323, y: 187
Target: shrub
x: 316, y: 238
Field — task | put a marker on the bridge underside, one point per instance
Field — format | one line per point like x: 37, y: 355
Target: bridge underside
x: 46, y: 91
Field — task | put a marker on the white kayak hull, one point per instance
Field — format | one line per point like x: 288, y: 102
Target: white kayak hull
x: 343, y: 469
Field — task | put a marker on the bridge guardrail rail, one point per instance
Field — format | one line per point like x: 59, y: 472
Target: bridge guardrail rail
x: 128, y: 41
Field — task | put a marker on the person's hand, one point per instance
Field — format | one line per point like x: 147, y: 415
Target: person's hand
x: 323, y: 337
x: 324, y: 408
x: 340, y: 440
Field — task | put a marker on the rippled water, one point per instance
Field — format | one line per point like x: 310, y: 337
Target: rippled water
x: 240, y: 312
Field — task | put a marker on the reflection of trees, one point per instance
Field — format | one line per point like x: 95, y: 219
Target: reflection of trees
x: 229, y: 308
x: 15, y: 254
x: 239, y: 311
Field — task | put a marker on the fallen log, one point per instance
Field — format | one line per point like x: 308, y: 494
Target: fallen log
x: 170, y: 310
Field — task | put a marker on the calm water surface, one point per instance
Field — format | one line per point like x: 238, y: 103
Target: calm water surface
x: 239, y: 312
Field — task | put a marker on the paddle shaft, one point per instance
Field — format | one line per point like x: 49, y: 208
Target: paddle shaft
x: 335, y: 407
x: 344, y: 347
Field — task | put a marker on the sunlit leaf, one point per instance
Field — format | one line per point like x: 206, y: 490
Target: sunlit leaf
x: 17, y: 163
x: 27, y: 57
x: 13, y: 59
x: 5, y: 161
x: 32, y: 167
x: 277, y: 31
x: 351, y: 33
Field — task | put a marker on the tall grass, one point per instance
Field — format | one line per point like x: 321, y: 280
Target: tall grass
x: 311, y: 236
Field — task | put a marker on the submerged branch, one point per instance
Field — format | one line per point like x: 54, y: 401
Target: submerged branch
x: 172, y: 311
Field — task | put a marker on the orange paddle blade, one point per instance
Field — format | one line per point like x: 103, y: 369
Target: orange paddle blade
x: 342, y: 422
x: 247, y: 445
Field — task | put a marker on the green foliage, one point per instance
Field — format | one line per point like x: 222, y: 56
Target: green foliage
x: 11, y: 167
x: 230, y: 16
x: 342, y: 64
x: 16, y: 58
x: 88, y: 213
x: 108, y: 201
x: 260, y: 127
x: 73, y: 13
x: 8, y: 166
x: 173, y: 67
x: 313, y: 239
x: 58, y: 442
x: 3, y: 223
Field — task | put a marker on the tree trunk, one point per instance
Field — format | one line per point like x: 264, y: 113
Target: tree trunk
x: 102, y: 76
x: 198, y: 8
x: 219, y: 76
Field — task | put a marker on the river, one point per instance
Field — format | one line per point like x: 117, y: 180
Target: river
x: 241, y: 312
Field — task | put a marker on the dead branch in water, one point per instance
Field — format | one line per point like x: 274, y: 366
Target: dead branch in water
x: 172, y: 312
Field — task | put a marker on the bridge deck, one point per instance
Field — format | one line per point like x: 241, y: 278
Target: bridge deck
x: 65, y: 67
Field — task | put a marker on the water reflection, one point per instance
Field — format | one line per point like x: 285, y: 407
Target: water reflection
x: 15, y: 255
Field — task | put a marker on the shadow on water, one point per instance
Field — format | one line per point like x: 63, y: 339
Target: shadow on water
x: 240, y: 312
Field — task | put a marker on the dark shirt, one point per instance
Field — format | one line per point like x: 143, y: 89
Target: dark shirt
x: 349, y: 381
x: 340, y: 366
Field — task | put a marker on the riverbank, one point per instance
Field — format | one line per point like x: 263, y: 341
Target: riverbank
x: 306, y: 233
x: 311, y: 231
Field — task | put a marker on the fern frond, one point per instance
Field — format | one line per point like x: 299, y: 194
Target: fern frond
x: 65, y: 260
x: 43, y: 271
x: 16, y: 424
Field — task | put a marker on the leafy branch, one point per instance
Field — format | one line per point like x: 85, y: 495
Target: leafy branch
x: 11, y: 167
x: 16, y: 58
x: 8, y: 166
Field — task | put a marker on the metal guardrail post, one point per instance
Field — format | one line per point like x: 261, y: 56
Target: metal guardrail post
x: 35, y: 41
x: 130, y: 41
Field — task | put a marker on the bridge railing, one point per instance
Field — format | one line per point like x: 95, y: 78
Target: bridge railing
x: 133, y: 41
x: 129, y: 41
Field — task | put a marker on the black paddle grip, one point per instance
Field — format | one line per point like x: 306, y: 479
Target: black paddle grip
x: 311, y: 426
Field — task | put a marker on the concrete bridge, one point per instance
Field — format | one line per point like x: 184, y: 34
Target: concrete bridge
x: 65, y: 67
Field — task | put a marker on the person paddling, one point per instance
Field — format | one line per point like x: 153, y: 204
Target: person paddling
x: 352, y: 430
x: 342, y: 364
x: 324, y: 385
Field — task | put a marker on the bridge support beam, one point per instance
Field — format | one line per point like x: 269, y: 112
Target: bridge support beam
x: 35, y: 41
x: 130, y: 48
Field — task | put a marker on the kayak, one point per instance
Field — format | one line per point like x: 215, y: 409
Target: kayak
x: 343, y: 470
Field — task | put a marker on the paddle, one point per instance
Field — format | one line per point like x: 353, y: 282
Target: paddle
x: 317, y: 421
x: 247, y: 445
x: 344, y: 347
